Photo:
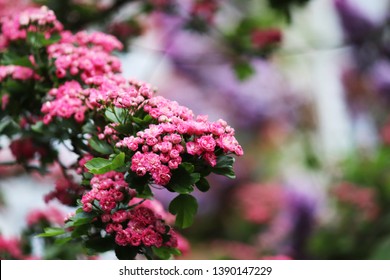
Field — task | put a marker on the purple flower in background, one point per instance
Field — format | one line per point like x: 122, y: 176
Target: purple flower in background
x: 302, y: 211
x: 356, y: 25
x: 209, y: 79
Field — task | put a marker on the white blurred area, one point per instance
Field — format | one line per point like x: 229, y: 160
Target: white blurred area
x: 311, y: 60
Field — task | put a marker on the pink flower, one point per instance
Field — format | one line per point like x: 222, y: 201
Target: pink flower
x: 207, y: 143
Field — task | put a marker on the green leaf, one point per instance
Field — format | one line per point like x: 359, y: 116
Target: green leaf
x: 140, y: 184
x: 62, y: 241
x: 243, y: 70
x: 382, y: 250
x: 184, y: 206
x: 82, y: 218
x: 116, y: 115
x: 182, y: 181
x: 224, y: 167
x: 10, y: 58
x: 126, y: 253
x: 165, y: 253
x: 9, y: 128
x: 99, y: 165
x: 37, y: 127
x: 118, y: 161
x: 49, y: 232
x: 203, y: 185
x: 100, y: 146
x: 99, y: 245
x: 102, y: 165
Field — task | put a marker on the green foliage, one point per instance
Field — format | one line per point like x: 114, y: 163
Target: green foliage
x: 183, y: 179
x: 102, y: 165
x: 165, y: 253
x: 184, y: 206
x: 224, y: 166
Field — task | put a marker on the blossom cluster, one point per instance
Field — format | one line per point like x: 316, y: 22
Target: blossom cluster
x: 119, y: 131
x: 66, y: 191
x: 363, y: 199
x: 50, y: 215
x: 131, y: 221
x: 16, y: 26
x: 25, y: 149
x: 82, y: 60
x: 16, y: 73
x: 10, y: 248
x: 158, y: 149
x: 260, y: 203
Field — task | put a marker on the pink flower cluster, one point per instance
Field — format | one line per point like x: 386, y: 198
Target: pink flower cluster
x: 80, y: 60
x: 141, y: 223
x: 262, y: 38
x: 362, y: 199
x: 115, y: 90
x: 66, y: 191
x: 50, y: 215
x: 16, y: 73
x: 97, y: 40
x: 108, y: 189
x: 204, y: 10
x: 140, y: 227
x: 10, y: 248
x: 67, y: 103
x: 16, y: 26
x: 25, y: 149
x: 260, y: 203
x: 158, y: 149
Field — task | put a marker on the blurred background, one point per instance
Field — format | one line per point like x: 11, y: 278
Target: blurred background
x: 306, y: 85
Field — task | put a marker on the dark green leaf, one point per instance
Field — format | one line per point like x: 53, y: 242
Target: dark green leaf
x: 116, y: 115
x: 382, y: 250
x: 37, y: 127
x: 81, y: 218
x: 165, y: 253
x: 100, y: 146
x: 118, y: 161
x: 203, y: 185
x: 140, y: 184
x: 49, y: 232
x: 182, y: 181
x: 243, y: 70
x: 62, y: 241
x: 102, y: 165
x: 9, y: 128
x: 100, y: 245
x: 224, y: 167
x: 184, y: 206
x: 14, y: 59
x: 126, y: 253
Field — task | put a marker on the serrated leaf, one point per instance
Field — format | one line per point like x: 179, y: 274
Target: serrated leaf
x: 165, y: 253
x: 100, y: 146
x: 224, y: 167
x: 184, y: 206
x: 50, y: 232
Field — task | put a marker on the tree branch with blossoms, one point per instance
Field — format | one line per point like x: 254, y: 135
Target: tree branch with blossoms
x: 59, y: 87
